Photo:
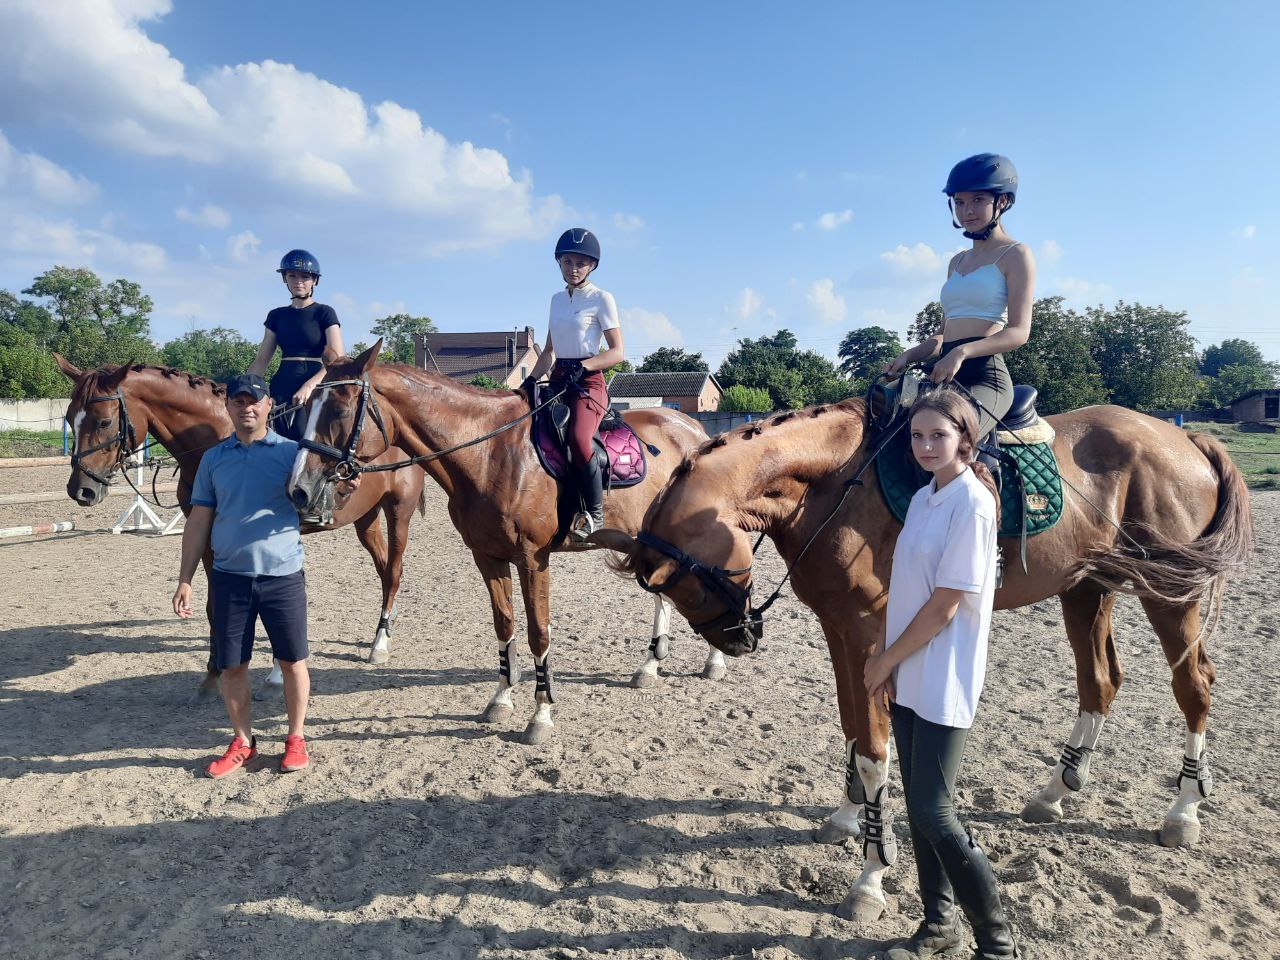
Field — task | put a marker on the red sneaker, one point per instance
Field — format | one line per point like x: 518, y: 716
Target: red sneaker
x: 295, y: 754
x: 237, y: 755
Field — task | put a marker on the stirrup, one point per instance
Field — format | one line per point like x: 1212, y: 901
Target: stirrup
x: 583, y: 526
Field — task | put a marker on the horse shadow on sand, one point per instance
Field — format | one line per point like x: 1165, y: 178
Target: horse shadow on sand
x: 562, y: 873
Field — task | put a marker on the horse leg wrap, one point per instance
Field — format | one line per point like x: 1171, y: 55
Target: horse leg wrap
x: 1071, y: 759
x: 384, y: 625
x: 853, y: 788
x: 1197, y: 770
x: 874, y: 836
x: 504, y: 663
x: 659, y: 647
x: 542, y: 678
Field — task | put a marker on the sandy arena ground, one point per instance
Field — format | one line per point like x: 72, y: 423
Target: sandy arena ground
x: 666, y: 824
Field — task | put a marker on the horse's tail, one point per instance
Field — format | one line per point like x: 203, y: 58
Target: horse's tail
x: 1186, y: 572
x: 422, y: 501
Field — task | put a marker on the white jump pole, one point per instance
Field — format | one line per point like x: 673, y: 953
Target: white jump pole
x: 38, y: 529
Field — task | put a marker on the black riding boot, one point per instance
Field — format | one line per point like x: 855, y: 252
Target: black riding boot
x: 975, y: 888
x: 939, y: 934
x: 591, y: 487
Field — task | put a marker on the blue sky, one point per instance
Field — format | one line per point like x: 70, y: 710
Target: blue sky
x: 747, y: 166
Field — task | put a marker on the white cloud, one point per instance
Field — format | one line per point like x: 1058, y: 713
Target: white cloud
x: 920, y: 260
x: 748, y: 303
x: 646, y: 326
x: 1050, y: 252
x: 107, y: 79
x: 244, y: 246
x: 797, y: 227
x: 209, y: 215
x: 38, y: 238
x: 627, y: 222
x: 1081, y: 290
x: 1249, y: 232
x: 832, y: 220
x: 39, y: 177
x: 828, y: 305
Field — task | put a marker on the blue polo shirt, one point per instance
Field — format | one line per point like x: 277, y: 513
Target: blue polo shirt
x: 255, y: 526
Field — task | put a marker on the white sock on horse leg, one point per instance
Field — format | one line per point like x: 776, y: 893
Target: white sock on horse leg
x: 879, y: 846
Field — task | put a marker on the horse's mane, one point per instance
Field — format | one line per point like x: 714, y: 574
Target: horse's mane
x: 415, y: 373
x: 194, y: 380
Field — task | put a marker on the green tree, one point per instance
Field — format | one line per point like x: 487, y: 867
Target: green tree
x: 740, y: 399
x: 1234, y: 352
x: 672, y: 360
x: 1235, y: 380
x: 217, y: 353
x: 27, y: 316
x: 487, y: 382
x: 793, y: 378
x: 927, y: 323
x: 1145, y: 356
x: 1057, y: 359
x: 622, y: 366
x: 397, y: 333
x: 358, y: 348
x: 95, y: 323
x: 27, y: 370
x: 864, y: 352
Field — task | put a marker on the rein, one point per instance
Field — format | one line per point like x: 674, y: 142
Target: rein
x: 348, y: 466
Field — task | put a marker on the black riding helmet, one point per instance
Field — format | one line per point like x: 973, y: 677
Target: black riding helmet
x: 578, y: 240
x: 987, y: 173
x: 302, y: 261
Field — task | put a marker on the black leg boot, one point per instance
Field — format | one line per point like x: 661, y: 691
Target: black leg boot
x: 591, y: 487
x: 939, y: 934
x: 974, y: 884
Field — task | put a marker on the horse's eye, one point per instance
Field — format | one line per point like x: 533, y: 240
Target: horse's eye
x: 103, y: 424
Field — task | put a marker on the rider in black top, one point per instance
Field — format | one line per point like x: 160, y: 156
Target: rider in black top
x: 308, y: 335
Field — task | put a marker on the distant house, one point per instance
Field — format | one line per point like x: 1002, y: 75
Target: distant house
x: 506, y: 355
x: 1256, y: 405
x: 687, y: 392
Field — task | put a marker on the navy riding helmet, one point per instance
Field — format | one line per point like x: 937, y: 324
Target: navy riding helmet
x: 578, y: 240
x: 986, y: 172
x: 300, y: 260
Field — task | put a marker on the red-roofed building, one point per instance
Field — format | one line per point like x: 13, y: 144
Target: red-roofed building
x: 507, y: 356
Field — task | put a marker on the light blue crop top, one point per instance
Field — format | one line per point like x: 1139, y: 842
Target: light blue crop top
x: 983, y: 293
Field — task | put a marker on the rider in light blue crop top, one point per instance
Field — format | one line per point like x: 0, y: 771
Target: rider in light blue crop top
x: 982, y: 293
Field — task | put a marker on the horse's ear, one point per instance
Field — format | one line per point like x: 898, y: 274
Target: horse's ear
x: 116, y: 377
x: 70, y: 370
x: 613, y: 538
x: 663, y: 572
x: 369, y: 357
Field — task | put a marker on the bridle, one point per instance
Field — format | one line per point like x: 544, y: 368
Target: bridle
x: 125, y: 436
x: 348, y: 465
x: 740, y: 615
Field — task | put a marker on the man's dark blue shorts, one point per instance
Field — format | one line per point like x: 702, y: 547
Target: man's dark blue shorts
x: 239, y: 601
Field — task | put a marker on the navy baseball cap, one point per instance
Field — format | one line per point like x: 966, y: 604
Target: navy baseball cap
x: 249, y: 383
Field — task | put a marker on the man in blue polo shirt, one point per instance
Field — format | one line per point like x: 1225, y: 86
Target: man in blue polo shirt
x: 239, y: 498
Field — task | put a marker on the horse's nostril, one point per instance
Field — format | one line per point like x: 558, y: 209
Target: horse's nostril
x: 299, y: 496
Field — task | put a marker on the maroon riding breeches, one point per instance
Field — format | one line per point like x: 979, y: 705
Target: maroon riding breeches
x: 588, y: 402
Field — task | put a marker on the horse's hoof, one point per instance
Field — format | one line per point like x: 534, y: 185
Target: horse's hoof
x: 1037, y: 811
x: 536, y: 734
x: 379, y: 654
x: 860, y: 907
x: 832, y: 832
x: 203, y: 695
x: 643, y: 679
x: 1180, y: 833
x: 715, y: 671
x: 497, y: 713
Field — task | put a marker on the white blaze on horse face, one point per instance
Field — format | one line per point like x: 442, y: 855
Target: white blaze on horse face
x: 313, y: 417
x: 75, y: 425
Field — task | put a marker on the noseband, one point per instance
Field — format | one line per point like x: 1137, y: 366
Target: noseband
x: 125, y: 437
x: 738, y: 616
x: 347, y: 465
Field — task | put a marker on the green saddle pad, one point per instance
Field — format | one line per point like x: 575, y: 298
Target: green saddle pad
x: 1037, y: 466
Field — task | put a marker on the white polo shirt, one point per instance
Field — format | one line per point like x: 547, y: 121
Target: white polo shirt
x: 578, y: 320
x: 948, y: 540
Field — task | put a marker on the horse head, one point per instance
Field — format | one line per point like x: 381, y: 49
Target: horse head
x: 345, y: 429
x: 105, y: 432
x: 687, y: 552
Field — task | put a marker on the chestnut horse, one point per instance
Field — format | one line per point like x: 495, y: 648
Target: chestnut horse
x: 500, y: 498
x: 1179, y: 494
x: 113, y: 408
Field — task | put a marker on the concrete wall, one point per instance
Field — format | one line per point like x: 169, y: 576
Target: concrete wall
x: 1253, y: 408
x: 32, y: 414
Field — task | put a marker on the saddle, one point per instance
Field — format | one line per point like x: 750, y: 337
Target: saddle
x: 1024, y: 464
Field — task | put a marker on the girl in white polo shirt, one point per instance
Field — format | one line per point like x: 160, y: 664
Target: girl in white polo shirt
x: 931, y: 661
x: 581, y: 315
